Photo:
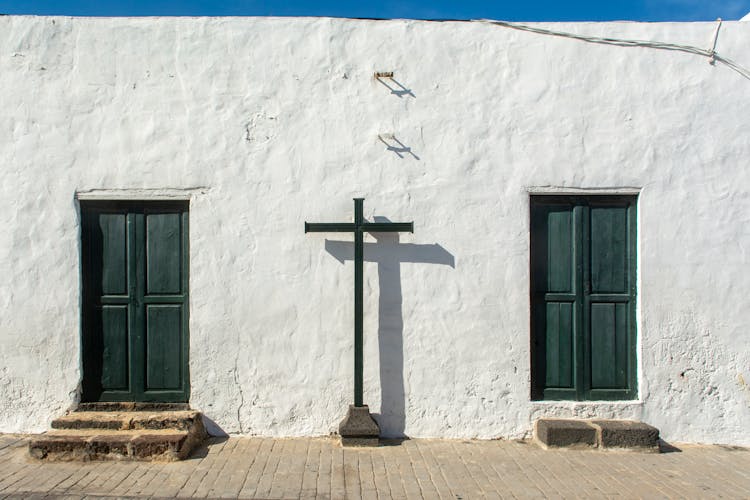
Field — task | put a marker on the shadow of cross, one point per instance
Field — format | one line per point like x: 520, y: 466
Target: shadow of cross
x: 389, y: 254
x: 359, y: 227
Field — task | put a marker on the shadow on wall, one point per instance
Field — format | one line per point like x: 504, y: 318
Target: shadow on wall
x: 397, y: 88
x: 399, y: 148
x: 388, y: 253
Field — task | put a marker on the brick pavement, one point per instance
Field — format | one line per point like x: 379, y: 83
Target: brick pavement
x: 419, y: 468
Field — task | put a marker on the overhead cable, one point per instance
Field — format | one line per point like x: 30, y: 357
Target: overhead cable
x: 711, y: 54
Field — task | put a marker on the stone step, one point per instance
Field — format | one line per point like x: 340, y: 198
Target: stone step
x: 111, y: 420
x: 85, y: 445
x: 598, y: 433
x: 131, y: 406
x: 121, y: 435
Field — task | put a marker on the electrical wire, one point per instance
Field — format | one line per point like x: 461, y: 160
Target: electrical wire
x: 712, y: 55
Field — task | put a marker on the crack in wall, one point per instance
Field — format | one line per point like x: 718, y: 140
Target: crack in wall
x: 242, y: 394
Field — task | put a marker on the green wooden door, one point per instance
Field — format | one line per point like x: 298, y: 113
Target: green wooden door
x: 583, y: 287
x: 135, y: 301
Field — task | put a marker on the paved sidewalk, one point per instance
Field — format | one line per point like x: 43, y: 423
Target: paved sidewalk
x: 419, y: 468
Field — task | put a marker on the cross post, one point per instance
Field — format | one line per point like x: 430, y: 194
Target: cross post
x: 358, y: 227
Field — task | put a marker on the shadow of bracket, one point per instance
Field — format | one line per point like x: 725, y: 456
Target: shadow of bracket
x: 399, y: 148
x: 396, y: 88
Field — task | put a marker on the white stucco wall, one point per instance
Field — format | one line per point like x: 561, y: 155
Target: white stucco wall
x: 265, y: 123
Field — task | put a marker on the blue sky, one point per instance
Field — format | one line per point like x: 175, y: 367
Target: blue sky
x: 542, y: 10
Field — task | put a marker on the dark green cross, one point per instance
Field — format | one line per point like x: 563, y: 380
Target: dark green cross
x: 358, y: 227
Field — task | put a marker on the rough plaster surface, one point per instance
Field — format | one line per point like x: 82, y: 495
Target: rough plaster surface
x: 265, y: 123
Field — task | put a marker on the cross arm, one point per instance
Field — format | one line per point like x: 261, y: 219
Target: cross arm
x: 390, y: 227
x: 329, y: 227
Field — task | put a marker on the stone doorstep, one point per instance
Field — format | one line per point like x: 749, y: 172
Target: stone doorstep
x: 131, y: 406
x: 599, y: 433
x: 60, y: 447
x: 564, y: 433
x: 95, y: 445
x: 122, y: 435
x: 626, y: 434
x: 105, y: 446
x: 96, y: 421
x: 177, y: 420
x: 147, y: 446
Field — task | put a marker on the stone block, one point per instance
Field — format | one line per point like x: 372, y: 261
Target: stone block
x: 626, y: 434
x: 105, y: 406
x: 61, y: 447
x: 563, y: 432
x: 162, y: 407
x: 360, y: 441
x: 176, y: 420
x: 158, y: 446
x: 359, y: 428
x: 91, y: 420
x: 131, y: 406
x: 109, y: 446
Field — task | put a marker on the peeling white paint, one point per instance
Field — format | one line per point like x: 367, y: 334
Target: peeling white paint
x: 265, y: 123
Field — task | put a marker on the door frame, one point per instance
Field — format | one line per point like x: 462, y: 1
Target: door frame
x: 132, y: 208
x: 580, y: 204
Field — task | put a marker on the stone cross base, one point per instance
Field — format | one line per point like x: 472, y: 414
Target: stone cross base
x: 359, y: 428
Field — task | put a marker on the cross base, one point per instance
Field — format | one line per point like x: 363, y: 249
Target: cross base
x: 359, y: 428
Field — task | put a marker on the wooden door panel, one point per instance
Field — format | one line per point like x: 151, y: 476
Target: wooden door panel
x: 111, y: 236
x: 560, y: 346
x: 555, y: 271
x: 609, y: 361
x: 560, y: 265
x: 115, y: 348
x: 163, y: 253
x: 163, y: 347
x: 106, y: 236
x: 609, y: 249
x: 611, y: 300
